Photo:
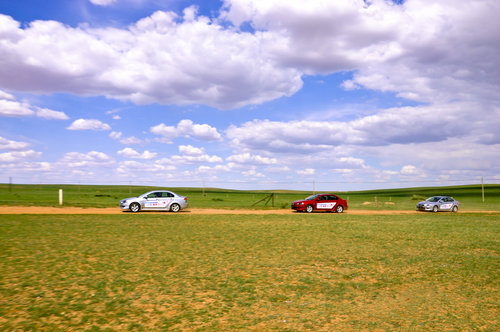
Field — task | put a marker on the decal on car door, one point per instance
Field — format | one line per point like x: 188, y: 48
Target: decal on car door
x: 159, y: 203
x: 325, y: 205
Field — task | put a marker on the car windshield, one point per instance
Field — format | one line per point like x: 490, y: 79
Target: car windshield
x: 433, y: 199
x: 310, y: 198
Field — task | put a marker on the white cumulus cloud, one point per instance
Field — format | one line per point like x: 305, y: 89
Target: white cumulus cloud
x: 6, y: 144
x: 118, y: 136
x: 186, y: 128
x: 195, y: 61
x: 194, y: 155
x: 88, y: 124
x: 306, y: 171
x: 90, y: 159
x: 51, y: 114
x: 16, y: 156
x: 131, y: 153
x: 247, y: 158
x: 102, y: 2
x: 14, y: 108
x: 11, y: 107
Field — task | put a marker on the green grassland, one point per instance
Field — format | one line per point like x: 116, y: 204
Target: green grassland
x: 108, y: 196
x: 319, y: 272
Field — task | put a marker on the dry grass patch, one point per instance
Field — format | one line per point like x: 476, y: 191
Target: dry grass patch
x: 263, y: 272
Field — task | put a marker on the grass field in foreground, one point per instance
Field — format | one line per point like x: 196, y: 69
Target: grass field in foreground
x: 289, y: 273
x: 470, y: 196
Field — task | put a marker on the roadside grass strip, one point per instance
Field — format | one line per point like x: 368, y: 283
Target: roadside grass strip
x: 298, y: 272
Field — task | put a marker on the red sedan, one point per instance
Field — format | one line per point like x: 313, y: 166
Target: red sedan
x: 321, y: 202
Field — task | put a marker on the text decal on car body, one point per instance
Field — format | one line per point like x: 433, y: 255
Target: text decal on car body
x: 446, y: 206
x: 160, y: 203
x: 325, y: 205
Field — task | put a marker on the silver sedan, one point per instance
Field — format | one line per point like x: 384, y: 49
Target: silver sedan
x: 439, y: 203
x: 158, y: 200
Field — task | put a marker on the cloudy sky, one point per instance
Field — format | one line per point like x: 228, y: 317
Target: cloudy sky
x: 250, y: 94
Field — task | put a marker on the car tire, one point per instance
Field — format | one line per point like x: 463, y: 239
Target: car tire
x: 435, y: 208
x: 339, y: 209
x: 135, y: 207
x: 454, y: 209
x: 175, y: 207
x: 309, y: 208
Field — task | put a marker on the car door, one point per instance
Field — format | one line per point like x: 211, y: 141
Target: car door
x: 446, y: 203
x: 326, y: 202
x: 164, y: 200
x: 151, y: 201
x: 334, y: 201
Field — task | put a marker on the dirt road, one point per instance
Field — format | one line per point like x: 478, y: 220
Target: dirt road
x: 77, y: 210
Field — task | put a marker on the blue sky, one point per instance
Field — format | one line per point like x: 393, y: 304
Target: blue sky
x: 323, y: 95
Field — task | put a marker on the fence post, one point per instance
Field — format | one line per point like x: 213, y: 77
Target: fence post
x: 482, y: 187
x: 60, y: 197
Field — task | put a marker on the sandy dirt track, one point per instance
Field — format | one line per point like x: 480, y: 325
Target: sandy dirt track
x: 77, y: 210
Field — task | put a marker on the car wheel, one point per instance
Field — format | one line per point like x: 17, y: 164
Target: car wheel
x: 309, y: 208
x: 455, y: 209
x: 435, y: 208
x: 175, y: 207
x: 135, y: 207
x: 340, y: 209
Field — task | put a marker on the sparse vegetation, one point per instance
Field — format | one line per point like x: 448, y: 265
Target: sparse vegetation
x: 318, y: 272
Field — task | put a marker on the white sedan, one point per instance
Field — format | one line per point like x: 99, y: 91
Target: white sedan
x: 439, y: 203
x: 158, y: 200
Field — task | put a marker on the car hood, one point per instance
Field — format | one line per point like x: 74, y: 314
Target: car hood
x: 126, y: 199
x: 300, y: 201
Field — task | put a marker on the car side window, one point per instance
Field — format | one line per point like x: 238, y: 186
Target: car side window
x: 152, y: 195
